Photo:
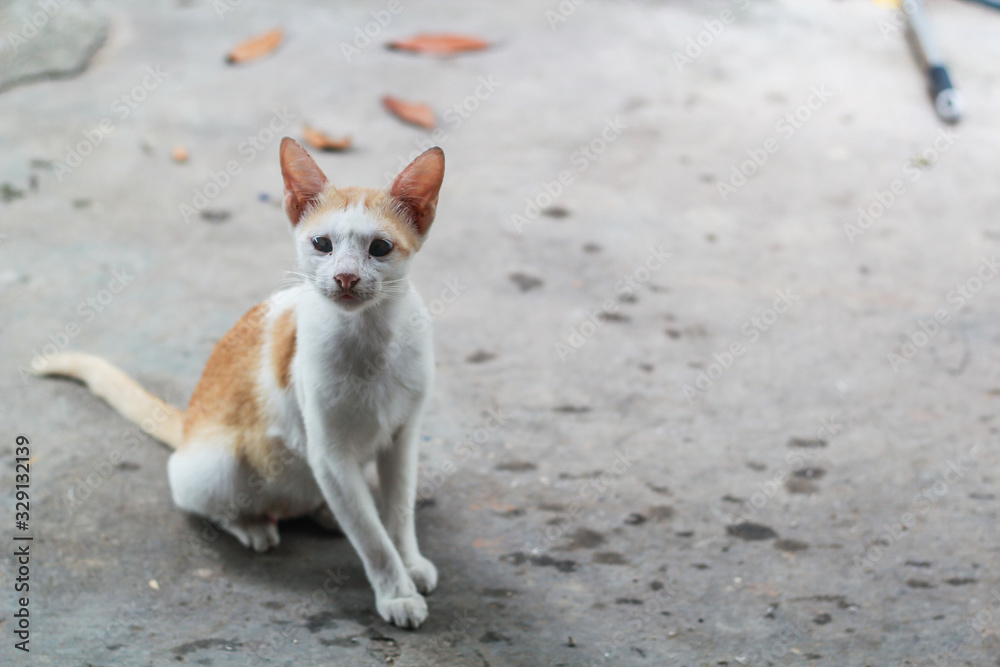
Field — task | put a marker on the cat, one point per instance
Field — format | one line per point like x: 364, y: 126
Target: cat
x: 304, y: 392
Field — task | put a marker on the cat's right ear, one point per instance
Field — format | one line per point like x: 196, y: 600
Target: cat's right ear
x: 303, y: 179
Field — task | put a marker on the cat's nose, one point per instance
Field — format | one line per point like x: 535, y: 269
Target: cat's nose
x: 346, y: 280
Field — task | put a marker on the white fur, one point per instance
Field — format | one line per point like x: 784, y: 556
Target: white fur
x: 361, y: 374
x: 361, y: 379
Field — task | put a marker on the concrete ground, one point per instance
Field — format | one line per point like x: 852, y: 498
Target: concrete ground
x: 734, y: 422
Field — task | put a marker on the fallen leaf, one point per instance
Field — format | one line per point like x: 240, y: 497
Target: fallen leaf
x: 501, y: 506
x: 411, y: 112
x: 255, y: 47
x: 483, y: 543
x: 439, y: 45
x: 322, y: 142
x: 179, y: 154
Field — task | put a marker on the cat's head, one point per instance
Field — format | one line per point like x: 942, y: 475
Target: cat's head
x: 354, y: 244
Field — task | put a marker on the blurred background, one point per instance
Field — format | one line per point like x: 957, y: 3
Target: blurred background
x: 712, y: 284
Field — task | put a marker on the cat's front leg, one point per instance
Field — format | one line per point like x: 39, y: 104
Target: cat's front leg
x: 341, y: 479
x: 397, y: 472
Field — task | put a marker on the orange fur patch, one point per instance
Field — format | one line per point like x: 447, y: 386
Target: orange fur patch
x: 225, y: 406
x: 283, y: 347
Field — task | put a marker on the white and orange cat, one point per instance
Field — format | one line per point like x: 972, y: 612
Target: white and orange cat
x: 305, y: 379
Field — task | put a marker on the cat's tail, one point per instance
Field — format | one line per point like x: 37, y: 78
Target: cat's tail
x: 157, y: 418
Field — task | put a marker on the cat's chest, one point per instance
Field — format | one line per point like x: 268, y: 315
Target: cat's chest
x: 367, y: 389
x: 368, y: 409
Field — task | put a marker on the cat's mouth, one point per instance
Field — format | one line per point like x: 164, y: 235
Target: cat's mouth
x: 350, y: 296
x: 350, y: 300
x: 347, y: 298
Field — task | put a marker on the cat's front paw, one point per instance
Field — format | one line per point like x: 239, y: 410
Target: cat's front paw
x: 424, y: 575
x: 408, y: 612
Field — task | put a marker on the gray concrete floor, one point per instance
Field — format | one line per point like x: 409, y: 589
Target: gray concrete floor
x: 604, y: 522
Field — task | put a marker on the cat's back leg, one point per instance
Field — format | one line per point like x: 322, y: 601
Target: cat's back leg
x: 324, y: 517
x: 218, y: 471
x: 212, y: 482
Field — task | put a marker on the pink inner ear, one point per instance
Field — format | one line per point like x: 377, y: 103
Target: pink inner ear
x: 417, y: 188
x: 304, y: 181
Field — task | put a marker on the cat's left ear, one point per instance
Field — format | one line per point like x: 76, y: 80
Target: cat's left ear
x: 417, y: 187
x: 304, y: 181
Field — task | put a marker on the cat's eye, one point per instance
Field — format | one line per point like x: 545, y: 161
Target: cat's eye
x: 322, y: 244
x: 379, y: 248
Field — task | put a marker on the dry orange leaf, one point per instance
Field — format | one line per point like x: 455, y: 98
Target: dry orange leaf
x: 323, y: 142
x: 439, y: 45
x: 411, y: 112
x: 255, y: 47
x: 179, y: 154
x: 483, y: 543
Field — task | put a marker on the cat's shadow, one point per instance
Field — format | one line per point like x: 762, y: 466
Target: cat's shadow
x: 314, y: 577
